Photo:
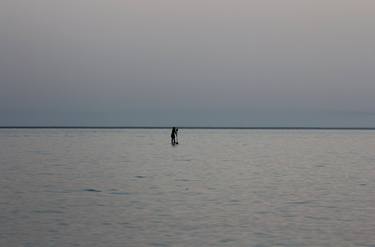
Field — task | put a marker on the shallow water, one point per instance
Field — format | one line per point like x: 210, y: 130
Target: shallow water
x: 70, y: 187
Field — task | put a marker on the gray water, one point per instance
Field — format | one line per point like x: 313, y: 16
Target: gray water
x: 62, y: 187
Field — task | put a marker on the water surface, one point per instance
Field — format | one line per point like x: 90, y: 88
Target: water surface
x: 71, y: 187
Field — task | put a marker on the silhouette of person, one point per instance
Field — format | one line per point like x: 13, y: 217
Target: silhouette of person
x: 173, y: 136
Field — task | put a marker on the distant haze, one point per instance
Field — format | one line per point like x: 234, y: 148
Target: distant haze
x: 187, y: 63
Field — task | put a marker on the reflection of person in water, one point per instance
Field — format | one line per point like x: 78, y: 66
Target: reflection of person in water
x: 173, y: 136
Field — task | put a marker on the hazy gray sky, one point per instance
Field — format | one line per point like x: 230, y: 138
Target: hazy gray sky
x: 193, y: 62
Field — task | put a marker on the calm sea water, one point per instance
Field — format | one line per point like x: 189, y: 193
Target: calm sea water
x: 63, y: 187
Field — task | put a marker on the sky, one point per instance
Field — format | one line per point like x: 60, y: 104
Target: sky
x: 250, y: 63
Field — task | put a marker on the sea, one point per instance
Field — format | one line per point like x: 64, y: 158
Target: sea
x: 217, y: 187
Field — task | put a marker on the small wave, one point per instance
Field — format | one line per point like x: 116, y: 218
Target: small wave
x: 227, y: 240
x: 186, y: 180
x: 48, y: 211
x: 92, y: 190
x: 182, y: 180
x: 300, y: 202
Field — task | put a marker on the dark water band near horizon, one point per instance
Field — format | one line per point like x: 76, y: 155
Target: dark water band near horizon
x: 218, y: 187
x: 193, y: 127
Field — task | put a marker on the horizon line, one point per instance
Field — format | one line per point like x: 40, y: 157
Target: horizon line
x: 191, y: 127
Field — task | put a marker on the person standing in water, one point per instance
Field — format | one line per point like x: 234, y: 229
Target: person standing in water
x: 173, y: 136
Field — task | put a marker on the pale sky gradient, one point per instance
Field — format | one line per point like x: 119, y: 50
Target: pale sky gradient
x: 187, y: 62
